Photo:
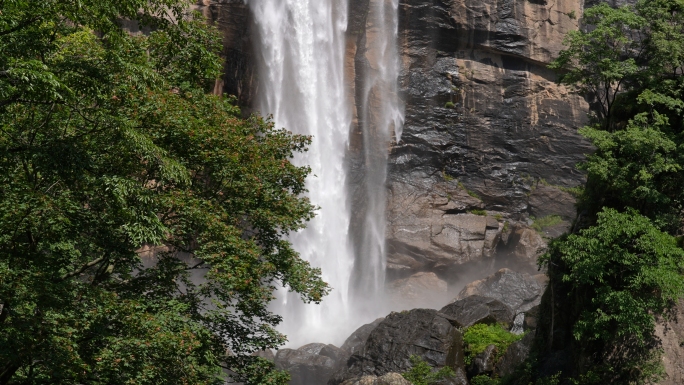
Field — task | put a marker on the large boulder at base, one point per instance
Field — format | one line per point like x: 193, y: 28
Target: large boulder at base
x: 311, y: 364
x: 520, y: 291
x: 356, y: 340
x: 477, y: 309
x: 426, y: 333
x: 387, y: 379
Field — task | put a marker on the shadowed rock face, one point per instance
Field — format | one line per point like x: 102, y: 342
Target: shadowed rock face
x: 421, y: 332
x: 476, y: 309
x: 519, y: 291
x: 233, y: 19
x: 310, y: 364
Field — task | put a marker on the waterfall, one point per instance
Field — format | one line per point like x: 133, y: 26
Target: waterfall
x: 380, y: 114
x: 301, y: 53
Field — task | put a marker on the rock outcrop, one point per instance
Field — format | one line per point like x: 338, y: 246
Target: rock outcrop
x: 482, y: 113
x: 356, y: 340
x: 310, y: 364
x: 519, y: 291
x: 477, y: 309
x: 421, y: 332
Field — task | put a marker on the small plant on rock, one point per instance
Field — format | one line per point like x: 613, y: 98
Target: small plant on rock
x: 477, y: 337
x: 421, y: 373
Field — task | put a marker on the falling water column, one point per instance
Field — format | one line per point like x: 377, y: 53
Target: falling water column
x: 301, y: 68
x: 380, y: 117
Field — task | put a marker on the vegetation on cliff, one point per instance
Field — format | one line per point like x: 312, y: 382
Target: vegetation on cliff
x: 142, y: 219
x: 621, y: 269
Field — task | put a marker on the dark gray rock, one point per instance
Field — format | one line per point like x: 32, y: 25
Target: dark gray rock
x: 310, y: 364
x: 483, y: 363
x: 356, y: 340
x: 519, y: 291
x: 531, y: 319
x: 422, y: 332
x: 477, y: 309
x: 515, y: 355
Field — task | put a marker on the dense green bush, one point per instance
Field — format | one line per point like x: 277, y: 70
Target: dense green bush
x: 477, y: 337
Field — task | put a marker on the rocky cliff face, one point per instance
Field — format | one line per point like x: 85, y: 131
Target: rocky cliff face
x: 489, y: 140
x: 487, y: 128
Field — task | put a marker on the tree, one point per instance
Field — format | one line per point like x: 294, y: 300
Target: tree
x: 621, y: 269
x: 142, y: 220
x: 621, y: 274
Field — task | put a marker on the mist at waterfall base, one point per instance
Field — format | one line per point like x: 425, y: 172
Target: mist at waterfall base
x: 301, y: 54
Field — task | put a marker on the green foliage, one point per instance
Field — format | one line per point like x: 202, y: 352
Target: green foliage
x: 478, y: 212
x: 623, y: 273
x: 110, y: 149
x: 422, y: 374
x: 624, y: 270
x: 449, y: 105
x: 540, y: 224
x: 477, y: 337
x: 483, y: 380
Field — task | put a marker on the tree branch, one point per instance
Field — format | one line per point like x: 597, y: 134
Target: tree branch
x: 82, y: 268
x: 19, y: 26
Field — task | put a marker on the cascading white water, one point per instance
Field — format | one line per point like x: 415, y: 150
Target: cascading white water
x: 301, y: 48
x: 380, y: 113
x: 301, y: 54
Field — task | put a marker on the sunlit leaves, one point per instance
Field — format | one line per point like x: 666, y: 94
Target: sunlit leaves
x: 142, y: 221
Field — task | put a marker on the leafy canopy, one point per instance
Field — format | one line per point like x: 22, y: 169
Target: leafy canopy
x: 142, y: 220
x: 611, y: 281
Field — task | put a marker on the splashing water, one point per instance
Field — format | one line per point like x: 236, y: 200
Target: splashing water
x: 301, y: 54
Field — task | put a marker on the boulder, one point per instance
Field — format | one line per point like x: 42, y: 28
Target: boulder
x: 426, y: 333
x: 515, y: 355
x: 519, y: 291
x: 477, y: 309
x: 356, y: 340
x: 310, y: 364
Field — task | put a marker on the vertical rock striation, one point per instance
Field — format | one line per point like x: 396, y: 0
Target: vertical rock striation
x: 484, y: 116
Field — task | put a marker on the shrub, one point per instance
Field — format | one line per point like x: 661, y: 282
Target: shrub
x: 540, y: 224
x: 477, y: 337
x: 421, y: 373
